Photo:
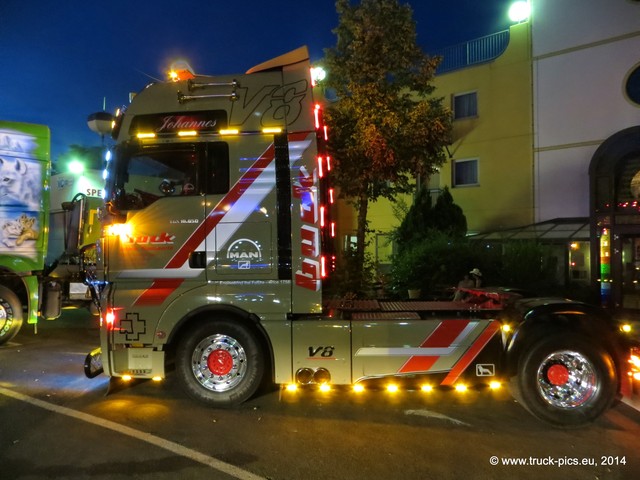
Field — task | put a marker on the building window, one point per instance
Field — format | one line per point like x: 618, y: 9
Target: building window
x: 465, y: 172
x: 632, y: 87
x: 465, y: 105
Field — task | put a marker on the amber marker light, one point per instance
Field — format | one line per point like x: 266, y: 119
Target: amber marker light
x: 126, y: 378
x: 392, y: 388
x: 187, y: 133
x: 325, y: 387
x: 358, y: 388
x: 122, y: 230
x: 426, y: 388
x: 461, y: 387
x: 142, y: 135
x: 494, y: 385
x: 291, y: 387
x: 229, y: 131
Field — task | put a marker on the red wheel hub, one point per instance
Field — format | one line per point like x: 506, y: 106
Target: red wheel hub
x: 220, y: 362
x: 558, y: 374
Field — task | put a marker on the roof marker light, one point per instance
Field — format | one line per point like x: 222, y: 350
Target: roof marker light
x: 187, y: 133
x: 146, y: 135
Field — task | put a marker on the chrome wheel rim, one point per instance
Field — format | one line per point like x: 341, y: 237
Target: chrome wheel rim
x: 567, y: 379
x: 219, y: 363
x: 5, y: 324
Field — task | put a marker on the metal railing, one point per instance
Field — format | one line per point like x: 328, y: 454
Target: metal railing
x: 473, y: 52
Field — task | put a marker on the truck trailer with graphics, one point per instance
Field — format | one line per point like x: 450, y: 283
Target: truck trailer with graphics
x: 33, y: 286
x: 217, y: 241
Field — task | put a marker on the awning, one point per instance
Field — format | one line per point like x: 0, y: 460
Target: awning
x: 556, y: 230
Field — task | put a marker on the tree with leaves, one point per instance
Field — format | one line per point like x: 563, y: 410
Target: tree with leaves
x: 387, y: 130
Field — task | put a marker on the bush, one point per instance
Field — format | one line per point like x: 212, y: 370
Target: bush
x: 435, y: 263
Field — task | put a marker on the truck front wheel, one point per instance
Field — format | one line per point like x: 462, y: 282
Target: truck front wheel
x: 566, y: 381
x: 10, y: 315
x: 220, y: 363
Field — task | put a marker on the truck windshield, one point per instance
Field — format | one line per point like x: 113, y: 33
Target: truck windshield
x: 141, y: 175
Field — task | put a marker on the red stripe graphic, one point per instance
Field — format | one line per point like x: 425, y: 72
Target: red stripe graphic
x: 442, y: 337
x: 471, y: 354
x: 150, y: 296
x: 158, y: 292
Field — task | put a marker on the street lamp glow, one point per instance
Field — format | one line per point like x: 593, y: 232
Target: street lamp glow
x: 76, y: 167
x: 519, y: 11
x: 318, y: 74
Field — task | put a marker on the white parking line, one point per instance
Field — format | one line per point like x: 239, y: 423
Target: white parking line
x: 172, y: 447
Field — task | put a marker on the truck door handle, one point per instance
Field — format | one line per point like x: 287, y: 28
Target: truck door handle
x: 197, y: 259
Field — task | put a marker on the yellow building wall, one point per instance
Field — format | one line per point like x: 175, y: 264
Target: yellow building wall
x: 500, y: 137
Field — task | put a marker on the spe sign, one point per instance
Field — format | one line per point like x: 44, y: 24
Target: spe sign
x: 93, y: 192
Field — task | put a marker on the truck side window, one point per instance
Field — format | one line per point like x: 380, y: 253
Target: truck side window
x: 217, y: 168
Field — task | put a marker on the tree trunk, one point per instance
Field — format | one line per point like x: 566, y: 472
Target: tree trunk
x: 363, y: 207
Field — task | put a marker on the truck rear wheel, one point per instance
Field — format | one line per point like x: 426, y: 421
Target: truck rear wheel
x: 220, y: 363
x: 567, y: 382
x: 10, y: 315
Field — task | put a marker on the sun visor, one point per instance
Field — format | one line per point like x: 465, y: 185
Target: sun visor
x: 295, y: 56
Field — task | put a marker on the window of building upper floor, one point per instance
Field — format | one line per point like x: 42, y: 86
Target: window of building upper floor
x: 465, y: 172
x: 465, y: 105
x: 632, y: 86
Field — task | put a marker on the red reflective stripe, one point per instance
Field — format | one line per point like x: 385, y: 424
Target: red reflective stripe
x: 418, y: 364
x: 442, y: 337
x: 158, y: 291
x: 472, y: 353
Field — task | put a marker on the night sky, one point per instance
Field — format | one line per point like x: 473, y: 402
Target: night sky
x: 61, y: 60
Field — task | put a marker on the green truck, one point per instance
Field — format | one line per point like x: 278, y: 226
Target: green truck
x: 218, y: 235
x: 39, y: 271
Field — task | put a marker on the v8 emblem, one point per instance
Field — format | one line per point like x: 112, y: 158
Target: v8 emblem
x: 325, y: 352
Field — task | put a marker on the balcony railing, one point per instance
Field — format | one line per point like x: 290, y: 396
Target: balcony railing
x: 473, y: 52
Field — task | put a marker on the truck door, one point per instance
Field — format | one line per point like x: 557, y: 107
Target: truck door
x: 241, y: 209
x: 162, y: 190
